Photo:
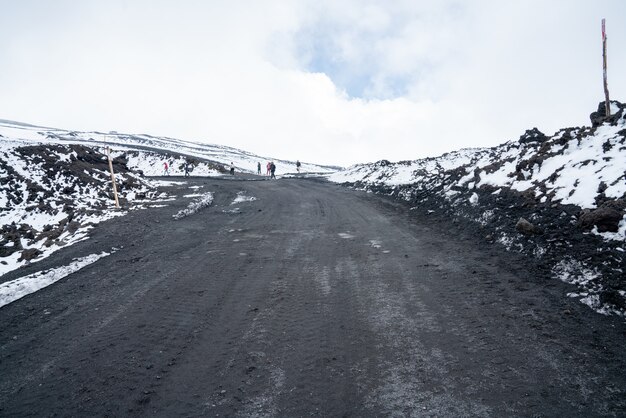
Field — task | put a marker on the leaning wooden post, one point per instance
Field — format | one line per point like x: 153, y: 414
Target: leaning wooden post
x: 607, y: 102
x: 117, y: 202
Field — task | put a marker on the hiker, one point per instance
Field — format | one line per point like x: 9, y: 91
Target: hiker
x: 258, y: 168
x: 298, y: 165
x: 273, y: 169
x: 232, y: 169
x: 166, y: 168
x: 269, y: 168
x: 186, y: 169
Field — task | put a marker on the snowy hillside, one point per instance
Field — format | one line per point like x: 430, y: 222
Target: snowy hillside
x: 51, y: 195
x: 561, y: 199
x: 55, y: 184
x: 150, y: 152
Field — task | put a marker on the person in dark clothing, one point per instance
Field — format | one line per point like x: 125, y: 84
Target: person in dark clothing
x: 258, y: 168
x: 273, y: 170
x: 232, y: 169
x: 298, y: 165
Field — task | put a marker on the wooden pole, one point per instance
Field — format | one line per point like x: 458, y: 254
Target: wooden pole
x: 607, y: 102
x: 117, y: 202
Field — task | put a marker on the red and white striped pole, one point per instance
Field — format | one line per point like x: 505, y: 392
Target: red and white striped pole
x: 607, y: 102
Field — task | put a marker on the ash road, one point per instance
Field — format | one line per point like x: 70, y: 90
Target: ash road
x: 310, y: 300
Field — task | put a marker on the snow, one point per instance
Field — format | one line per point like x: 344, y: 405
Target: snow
x: 23, y: 133
x: 613, y: 108
x: 166, y: 183
x: 376, y: 243
x: 151, y: 164
x: 65, y: 239
x: 205, y: 200
x: 35, y: 218
x: 18, y: 288
x: 498, y: 178
x: 241, y: 197
x: 573, y: 272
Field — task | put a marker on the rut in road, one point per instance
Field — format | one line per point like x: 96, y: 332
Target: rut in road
x: 311, y: 299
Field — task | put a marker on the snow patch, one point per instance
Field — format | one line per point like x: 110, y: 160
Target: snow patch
x: 166, y: 183
x: 18, y: 288
x: 205, y: 200
x: 241, y: 197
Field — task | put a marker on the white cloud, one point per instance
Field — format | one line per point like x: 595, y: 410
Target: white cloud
x: 434, y: 76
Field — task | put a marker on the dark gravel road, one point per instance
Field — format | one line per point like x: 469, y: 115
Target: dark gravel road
x: 310, y: 300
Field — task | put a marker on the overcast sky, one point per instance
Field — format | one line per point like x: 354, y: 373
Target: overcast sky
x: 325, y: 81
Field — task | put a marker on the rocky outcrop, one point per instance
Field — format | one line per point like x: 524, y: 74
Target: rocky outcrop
x: 606, y: 218
x: 533, y: 135
x: 599, y: 116
x: 29, y: 254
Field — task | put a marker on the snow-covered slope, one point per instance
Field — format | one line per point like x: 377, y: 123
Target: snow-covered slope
x: 568, y: 167
x: 150, y: 152
x: 51, y: 195
x: 570, y: 187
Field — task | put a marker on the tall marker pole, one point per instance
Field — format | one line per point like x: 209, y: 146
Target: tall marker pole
x: 607, y: 102
x: 117, y: 202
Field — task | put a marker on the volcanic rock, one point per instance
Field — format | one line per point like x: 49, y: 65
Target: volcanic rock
x: 606, y: 218
x: 533, y: 135
x: 526, y: 228
x: 29, y: 254
x: 599, y: 116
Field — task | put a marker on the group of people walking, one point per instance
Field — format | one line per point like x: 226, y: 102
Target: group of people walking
x: 187, y: 167
x: 271, y: 169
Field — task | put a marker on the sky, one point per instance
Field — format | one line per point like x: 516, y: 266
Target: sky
x: 323, y: 81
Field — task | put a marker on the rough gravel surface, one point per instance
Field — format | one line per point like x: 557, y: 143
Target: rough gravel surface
x: 311, y: 299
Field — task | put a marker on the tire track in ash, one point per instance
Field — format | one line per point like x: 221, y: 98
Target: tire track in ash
x: 213, y: 368
x: 389, y: 310
x: 291, y: 330
x: 110, y: 354
x: 439, y: 362
x: 300, y: 330
x: 92, y: 306
x: 133, y: 348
